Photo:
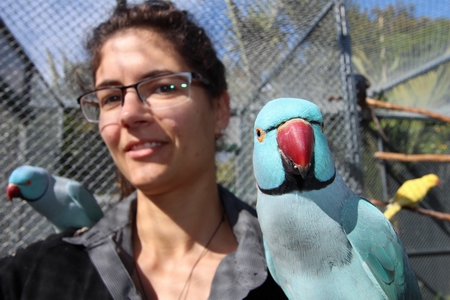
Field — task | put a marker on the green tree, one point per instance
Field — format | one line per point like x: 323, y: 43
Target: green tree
x: 392, y: 42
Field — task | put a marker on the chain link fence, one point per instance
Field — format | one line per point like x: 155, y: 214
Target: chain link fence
x: 272, y: 49
x: 403, y: 49
x: 426, y: 238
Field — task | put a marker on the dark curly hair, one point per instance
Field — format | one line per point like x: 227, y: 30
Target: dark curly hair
x: 175, y: 25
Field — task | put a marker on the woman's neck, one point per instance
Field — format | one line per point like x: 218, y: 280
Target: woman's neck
x: 179, y: 242
x: 172, y: 224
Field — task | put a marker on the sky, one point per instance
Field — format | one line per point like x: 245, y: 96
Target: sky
x: 47, y: 26
x: 59, y: 27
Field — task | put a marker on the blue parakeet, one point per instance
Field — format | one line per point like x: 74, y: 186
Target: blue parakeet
x: 64, y: 202
x: 322, y: 241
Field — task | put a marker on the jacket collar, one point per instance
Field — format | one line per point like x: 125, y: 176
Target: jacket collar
x: 115, y: 220
x: 238, y: 273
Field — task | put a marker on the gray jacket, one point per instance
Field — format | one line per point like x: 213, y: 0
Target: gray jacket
x: 238, y: 273
x: 98, y: 263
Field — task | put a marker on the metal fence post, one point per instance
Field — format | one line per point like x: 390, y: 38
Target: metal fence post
x: 353, y: 154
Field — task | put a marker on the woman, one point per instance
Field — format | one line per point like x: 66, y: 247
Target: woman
x: 160, y: 101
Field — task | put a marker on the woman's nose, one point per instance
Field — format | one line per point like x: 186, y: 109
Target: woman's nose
x: 134, y: 111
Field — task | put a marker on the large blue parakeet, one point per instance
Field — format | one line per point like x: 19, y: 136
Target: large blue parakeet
x: 64, y: 202
x: 322, y: 241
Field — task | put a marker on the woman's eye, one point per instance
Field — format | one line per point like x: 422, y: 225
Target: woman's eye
x: 164, y: 89
x: 111, y: 100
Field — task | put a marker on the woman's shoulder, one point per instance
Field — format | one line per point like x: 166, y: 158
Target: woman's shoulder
x: 231, y: 200
x: 47, y: 268
x: 51, y: 252
x: 39, y: 248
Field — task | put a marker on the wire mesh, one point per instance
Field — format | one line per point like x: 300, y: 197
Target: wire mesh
x: 425, y: 238
x: 271, y: 48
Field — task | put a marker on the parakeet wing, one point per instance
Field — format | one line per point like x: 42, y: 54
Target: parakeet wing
x: 374, y: 238
x: 80, y: 195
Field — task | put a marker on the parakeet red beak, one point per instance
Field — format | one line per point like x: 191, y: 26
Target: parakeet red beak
x: 296, y: 143
x: 12, y: 191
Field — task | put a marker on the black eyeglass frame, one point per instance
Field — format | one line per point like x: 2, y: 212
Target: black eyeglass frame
x: 193, y: 75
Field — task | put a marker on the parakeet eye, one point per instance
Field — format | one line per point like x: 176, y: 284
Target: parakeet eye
x: 27, y: 183
x: 260, y: 134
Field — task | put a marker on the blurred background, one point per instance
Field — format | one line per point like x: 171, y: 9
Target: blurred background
x: 310, y: 49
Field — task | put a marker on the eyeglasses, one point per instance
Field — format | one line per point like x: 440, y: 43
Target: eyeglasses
x: 157, y: 92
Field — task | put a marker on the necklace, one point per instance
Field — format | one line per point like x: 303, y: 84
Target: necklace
x: 188, y: 280
x: 185, y: 289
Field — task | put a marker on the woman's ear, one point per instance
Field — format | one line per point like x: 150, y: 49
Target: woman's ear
x: 222, y: 111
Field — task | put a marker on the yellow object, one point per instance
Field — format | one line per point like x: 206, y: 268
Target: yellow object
x: 411, y: 193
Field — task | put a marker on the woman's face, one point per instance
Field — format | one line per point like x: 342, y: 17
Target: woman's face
x: 157, y: 151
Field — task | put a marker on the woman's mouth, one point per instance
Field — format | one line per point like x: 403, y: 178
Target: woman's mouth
x: 143, y: 150
x: 145, y: 146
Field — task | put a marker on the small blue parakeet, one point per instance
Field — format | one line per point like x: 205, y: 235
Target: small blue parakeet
x: 64, y: 202
x: 322, y: 241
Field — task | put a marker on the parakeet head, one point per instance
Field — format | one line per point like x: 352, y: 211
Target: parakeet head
x: 290, y: 149
x: 431, y: 180
x: 28, y: 183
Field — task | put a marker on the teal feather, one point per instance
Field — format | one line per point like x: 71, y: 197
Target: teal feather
x: 322, y: 241
x: 273, y: 162
x: 64, y: 202
x: 324, y: 164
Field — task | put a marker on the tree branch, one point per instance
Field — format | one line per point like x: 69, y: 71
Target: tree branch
x: 382, y: 104
x: 412, y: 157
x: 423, y: 211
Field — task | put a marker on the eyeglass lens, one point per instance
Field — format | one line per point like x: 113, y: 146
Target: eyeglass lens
x: 158, y: 93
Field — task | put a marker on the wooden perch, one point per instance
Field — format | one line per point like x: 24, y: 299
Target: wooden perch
x: 381, y: 104
x: 423, y: 211
x: 412, y: 157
